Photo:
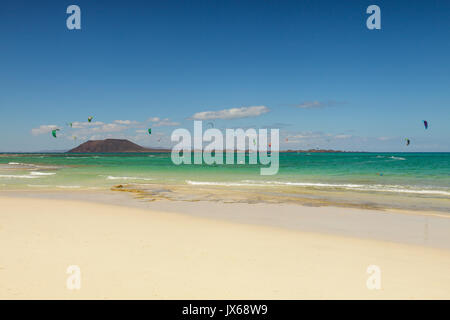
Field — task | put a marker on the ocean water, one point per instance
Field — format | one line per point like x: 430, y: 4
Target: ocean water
x: 398, y: 180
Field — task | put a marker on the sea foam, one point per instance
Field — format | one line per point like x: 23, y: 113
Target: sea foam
x: 349, y: 186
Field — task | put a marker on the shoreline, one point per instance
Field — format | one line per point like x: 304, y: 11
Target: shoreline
x: 347, y: 199
x: 412, y: 227
x: 135, y: 253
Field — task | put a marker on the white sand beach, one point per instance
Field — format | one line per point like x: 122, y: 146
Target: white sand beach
x: 127, y: 252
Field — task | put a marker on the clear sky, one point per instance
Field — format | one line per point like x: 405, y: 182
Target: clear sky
x: 310, y: 68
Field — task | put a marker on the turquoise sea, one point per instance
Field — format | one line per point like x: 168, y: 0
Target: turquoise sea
x: 398, y: 180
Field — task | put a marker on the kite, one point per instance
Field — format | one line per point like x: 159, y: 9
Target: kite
x: 54, y: 132
x: 425, y: 123
x: 90, y: 118
x: 407, y: 141
x: 149, y: 130
x: 69, y: 124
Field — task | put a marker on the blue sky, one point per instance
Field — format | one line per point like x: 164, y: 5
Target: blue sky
x: 322, y: 77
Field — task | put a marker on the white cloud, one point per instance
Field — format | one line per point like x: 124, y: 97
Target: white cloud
x: 102, y: 137
x: 342, y: 136
x: 109, y: 127
x: 306, y: 135
x: 310, y: 105
x: 126, y: 122
x: 315, y: 137
x: 81, y: 125
x: 166, y: 123
x: 101, y: 130
x: 316, y: 104
x: 87, y: 128
x: 46, y: 128
x: 96, y: 127
x: 233, y: 113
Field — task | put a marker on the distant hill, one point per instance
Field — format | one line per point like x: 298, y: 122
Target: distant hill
x: 124, y: 146
x: 112, y: 146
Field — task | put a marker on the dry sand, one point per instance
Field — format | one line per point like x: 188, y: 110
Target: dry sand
x: 147, y: 254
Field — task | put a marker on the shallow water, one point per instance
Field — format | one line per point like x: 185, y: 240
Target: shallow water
x: 400, y: 180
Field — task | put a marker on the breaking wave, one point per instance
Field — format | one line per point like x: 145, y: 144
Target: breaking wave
x: 349, y: 186
x: 128, y: 178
